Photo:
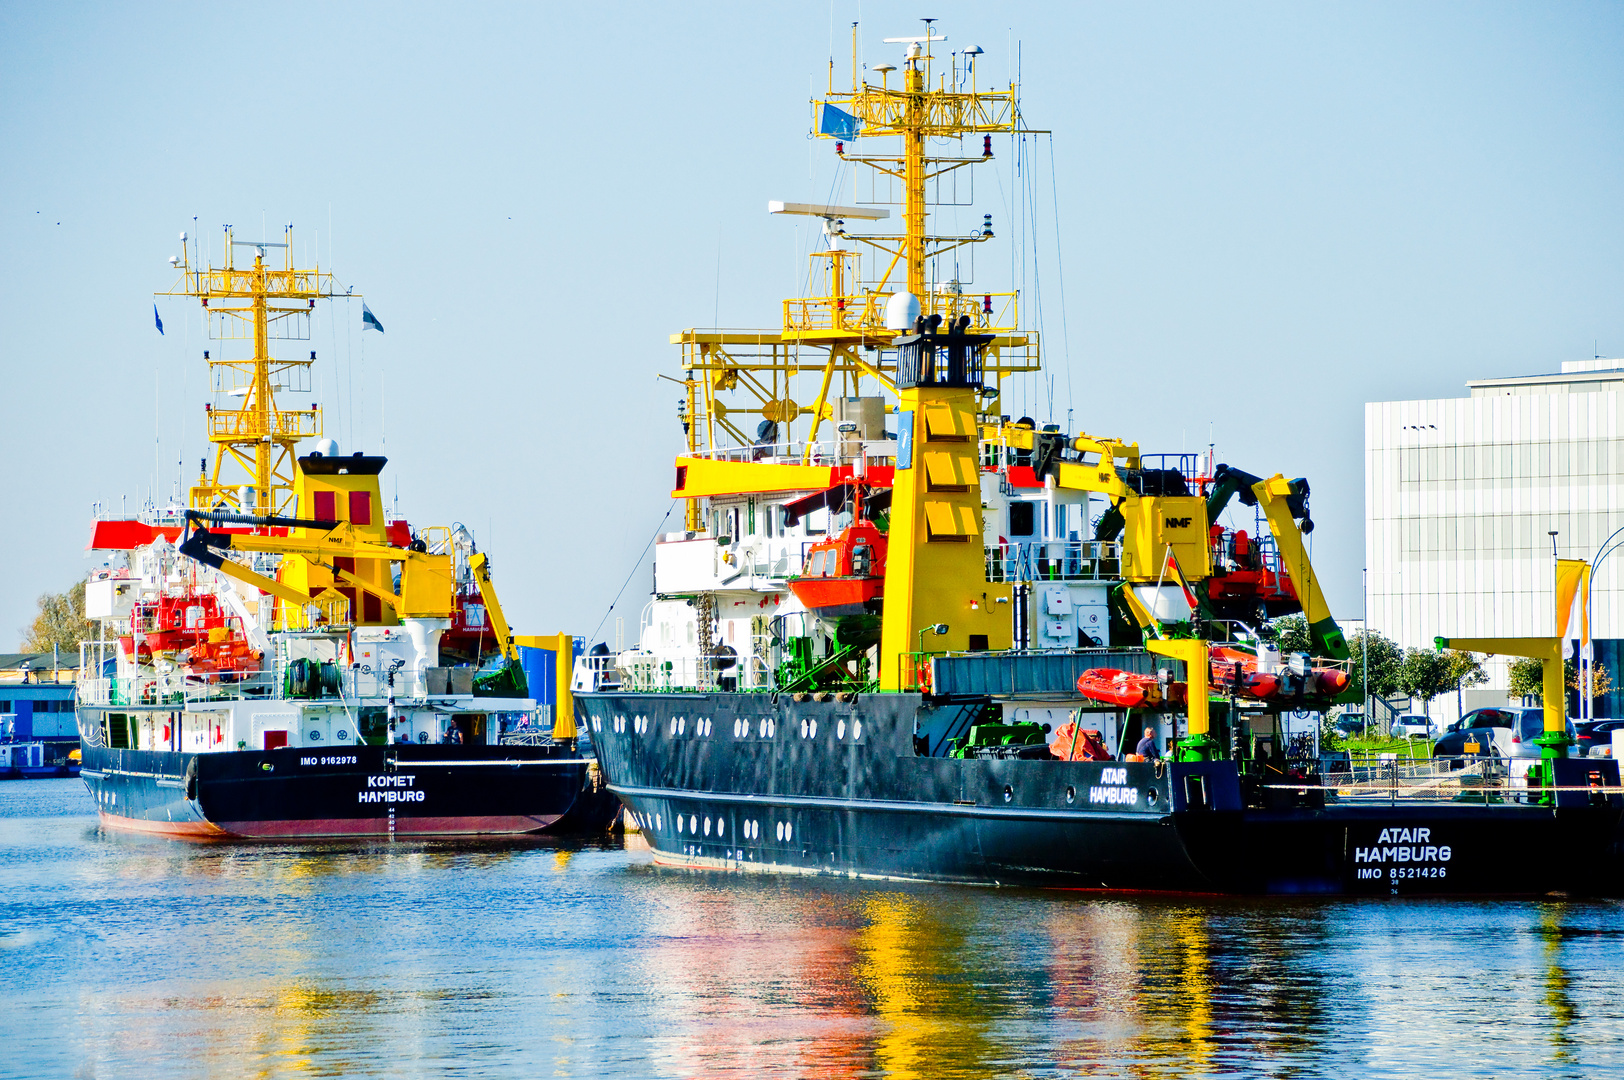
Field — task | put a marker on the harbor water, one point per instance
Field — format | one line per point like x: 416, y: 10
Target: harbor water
x: 131, y: 957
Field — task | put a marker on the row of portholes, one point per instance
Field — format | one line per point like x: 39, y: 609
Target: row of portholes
x: 679, y: 726
x: 809, y: 729
x: 766, y: 729
x: 856, y: 729
x: 784, y: 830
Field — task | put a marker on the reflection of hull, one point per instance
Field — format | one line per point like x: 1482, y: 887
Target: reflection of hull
x: 831, y: 787
x: 837, y: 597
x: 357, y: 791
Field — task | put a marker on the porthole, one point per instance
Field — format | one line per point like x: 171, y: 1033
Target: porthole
x: 708, y: 727
x: 673, y: 726
x: 814, y: 729
x: 682, y: 725
x: 789, y: 830
x: 659, y: 822
x: 840, y: 730
x: 1009, y: 793
x: 856, y: 729
x: 1150, y: 795
x: 721, y: 827
x: 707, y: 826
x: 1071, y: 795
x: 804, y: 727
x: 693, y: 824
x: 779, y: 831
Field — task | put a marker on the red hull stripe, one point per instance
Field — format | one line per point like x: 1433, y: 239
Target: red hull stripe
x: 471, y: 825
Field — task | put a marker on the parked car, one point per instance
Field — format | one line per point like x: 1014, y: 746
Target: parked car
x: 1491, y: 717
x: 1475, y: 742
x: 1412, y: 726
x: 1596, y: 737
x: 1351, y: 723
x: 1530, y: 724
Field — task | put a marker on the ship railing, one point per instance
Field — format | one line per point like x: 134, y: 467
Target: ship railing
x: 990, y: 313
x: 1054, y: 560
x: 819, y: 452
x: 1463, y: 779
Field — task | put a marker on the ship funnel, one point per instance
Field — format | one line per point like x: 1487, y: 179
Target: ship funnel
x: 901, y: 311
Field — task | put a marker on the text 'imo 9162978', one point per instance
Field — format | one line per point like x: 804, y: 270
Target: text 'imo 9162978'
x: 902, y: 634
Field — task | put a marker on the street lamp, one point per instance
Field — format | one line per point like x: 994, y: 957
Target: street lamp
x: 938, y: 629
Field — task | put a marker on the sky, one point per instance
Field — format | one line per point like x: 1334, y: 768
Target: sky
x: 1250, y: 220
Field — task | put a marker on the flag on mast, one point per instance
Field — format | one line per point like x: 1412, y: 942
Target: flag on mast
x: 369, y: 321
x: 156, y: 318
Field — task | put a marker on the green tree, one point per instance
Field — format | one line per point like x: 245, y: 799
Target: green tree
x: 1289, y: 634
x: 1466, y: 669
x: 1424, y: 674
x: 60, y: 622
x: 1527, y: 678
x: 1386, y: 659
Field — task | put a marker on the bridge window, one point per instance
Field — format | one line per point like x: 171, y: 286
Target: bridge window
x: 1022, y: 518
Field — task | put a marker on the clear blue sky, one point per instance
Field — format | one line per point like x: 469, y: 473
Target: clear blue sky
x: 1268, y: 215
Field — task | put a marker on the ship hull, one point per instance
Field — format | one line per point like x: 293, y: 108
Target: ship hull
x: 737, y: 781
x: 362, y: 791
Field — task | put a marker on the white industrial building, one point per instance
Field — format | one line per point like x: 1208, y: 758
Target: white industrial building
x: 1462, y: 494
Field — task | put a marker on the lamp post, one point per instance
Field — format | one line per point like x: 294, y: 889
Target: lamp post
x: 938, y: 629
x: 1606, y: 548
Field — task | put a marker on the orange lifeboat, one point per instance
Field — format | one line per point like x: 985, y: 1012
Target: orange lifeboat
x: 1128, y: 689
x: 845, y: 574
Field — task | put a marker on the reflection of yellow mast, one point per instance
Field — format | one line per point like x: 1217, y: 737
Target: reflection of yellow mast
x: 254, y: 441
x: 913, y: 966
x: 836, y: 336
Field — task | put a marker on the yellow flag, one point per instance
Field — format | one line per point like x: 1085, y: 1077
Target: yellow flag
x: 1572, y: 579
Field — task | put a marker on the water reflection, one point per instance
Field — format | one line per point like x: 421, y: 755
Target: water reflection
x: 131, y: 956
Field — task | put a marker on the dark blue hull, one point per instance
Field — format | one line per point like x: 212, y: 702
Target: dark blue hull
x: 857, y: 788
x: 359, y: 791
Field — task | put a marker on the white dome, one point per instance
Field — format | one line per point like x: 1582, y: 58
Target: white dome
x: 901, y: 311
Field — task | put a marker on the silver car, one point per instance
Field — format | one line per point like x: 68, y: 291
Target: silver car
x: 1528, y: 725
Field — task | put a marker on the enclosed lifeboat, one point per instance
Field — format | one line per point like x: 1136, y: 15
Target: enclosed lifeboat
x: 843, y: 575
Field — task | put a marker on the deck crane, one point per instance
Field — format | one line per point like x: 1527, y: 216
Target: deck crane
x: 1163, y: 524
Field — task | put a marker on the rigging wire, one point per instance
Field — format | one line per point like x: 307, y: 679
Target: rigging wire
x: 1060, y: 266
x: 635, y: 567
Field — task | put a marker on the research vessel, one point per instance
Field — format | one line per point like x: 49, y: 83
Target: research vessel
x: 964, y: 702
x: 280, y: 656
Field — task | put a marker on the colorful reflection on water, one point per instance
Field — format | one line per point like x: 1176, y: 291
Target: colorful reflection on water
x: 139, y: 957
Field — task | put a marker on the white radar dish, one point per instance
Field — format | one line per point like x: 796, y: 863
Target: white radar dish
x: 865, y: 213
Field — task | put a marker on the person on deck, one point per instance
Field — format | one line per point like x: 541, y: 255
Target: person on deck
x: 1147, y: 746
x: 453, y: 735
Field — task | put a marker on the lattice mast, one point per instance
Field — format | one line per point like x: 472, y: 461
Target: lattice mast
x: 254, y: 442
x: 836, y: 336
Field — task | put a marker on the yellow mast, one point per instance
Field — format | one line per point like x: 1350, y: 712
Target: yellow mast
x: 837, y: 337
x: 254, y: 442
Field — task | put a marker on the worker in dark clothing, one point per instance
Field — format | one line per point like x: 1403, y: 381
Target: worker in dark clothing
x: 1147, y: 746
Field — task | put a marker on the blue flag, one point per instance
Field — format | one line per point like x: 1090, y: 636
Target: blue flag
x: 369, y: 321
x: 155, y: 317
x: 837, y: 123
